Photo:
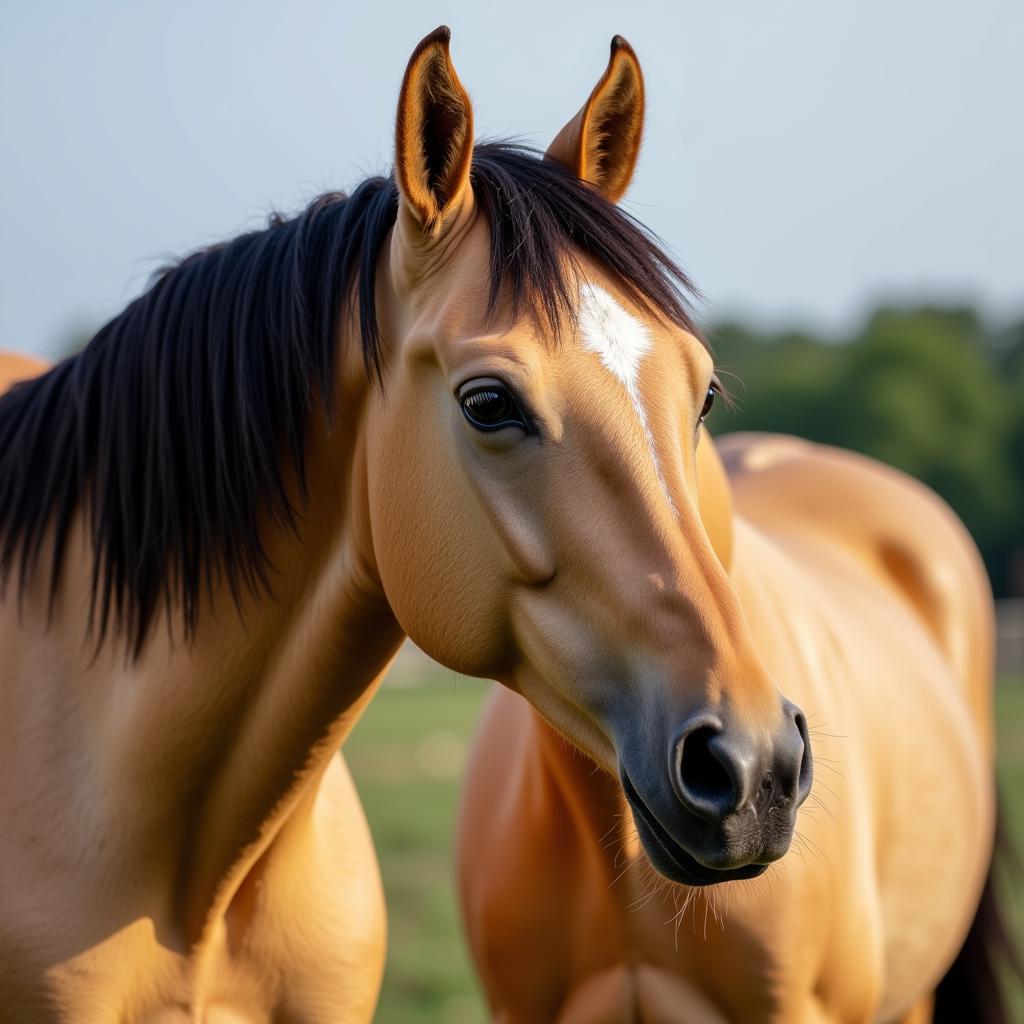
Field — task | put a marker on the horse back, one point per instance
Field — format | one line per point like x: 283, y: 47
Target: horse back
x: 895, y: 528
x: 15, y: 367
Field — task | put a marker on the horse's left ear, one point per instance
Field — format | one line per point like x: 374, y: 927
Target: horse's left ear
x: 434, y: 134
x: 601, y: 143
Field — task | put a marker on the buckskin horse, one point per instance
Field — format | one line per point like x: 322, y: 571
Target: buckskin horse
x: 462, y: 404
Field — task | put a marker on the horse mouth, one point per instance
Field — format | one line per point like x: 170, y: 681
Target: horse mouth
x: 668, y: 856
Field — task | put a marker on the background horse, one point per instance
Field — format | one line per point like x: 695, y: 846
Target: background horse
x: 861, y: 594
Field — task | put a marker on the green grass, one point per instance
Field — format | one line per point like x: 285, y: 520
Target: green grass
x: 1010, y: 739
x: 406, y: 756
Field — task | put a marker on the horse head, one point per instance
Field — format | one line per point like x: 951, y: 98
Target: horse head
x: 547, y: 507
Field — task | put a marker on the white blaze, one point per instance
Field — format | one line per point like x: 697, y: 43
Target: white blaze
x: 622, y: 341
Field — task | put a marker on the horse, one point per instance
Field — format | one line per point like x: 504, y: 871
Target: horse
x: 758, y: 564
x: 463, y: 405
x: 220, y: 519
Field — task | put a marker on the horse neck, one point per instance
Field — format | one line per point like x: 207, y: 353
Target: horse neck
x: 223, y: 736
x: 311, y: 657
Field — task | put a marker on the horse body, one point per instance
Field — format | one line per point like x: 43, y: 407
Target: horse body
x: 864, y: 594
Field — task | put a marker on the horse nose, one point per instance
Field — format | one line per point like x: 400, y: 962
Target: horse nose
x: 718, y: 770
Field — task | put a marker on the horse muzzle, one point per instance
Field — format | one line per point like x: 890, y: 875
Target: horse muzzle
x: 727, y: 808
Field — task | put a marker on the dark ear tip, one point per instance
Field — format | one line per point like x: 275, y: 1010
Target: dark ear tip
x: 441, y: 36
x: 619, y: 43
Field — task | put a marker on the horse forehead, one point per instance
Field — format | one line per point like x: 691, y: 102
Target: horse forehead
x: 622, y: 342
x: 620, y: 339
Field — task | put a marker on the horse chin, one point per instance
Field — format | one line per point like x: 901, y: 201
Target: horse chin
x: 669, y: 857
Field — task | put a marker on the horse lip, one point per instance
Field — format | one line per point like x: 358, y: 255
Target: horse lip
x: 689, y: 869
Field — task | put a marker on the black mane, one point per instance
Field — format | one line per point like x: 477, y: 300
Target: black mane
x: 167, y: 429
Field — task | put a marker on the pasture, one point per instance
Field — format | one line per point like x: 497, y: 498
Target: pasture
x: 406, y: 755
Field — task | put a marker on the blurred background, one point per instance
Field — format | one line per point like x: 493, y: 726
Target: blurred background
x: 844, y: 184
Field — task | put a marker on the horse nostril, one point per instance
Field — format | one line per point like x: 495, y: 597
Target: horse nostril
x: 794, y: 766
x: 705, y: 775
x: 718, y: 770
x: 806, y: 776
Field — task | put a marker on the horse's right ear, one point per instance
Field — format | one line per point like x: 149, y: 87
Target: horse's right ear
x: 601, y: 143
x: 434, y: 134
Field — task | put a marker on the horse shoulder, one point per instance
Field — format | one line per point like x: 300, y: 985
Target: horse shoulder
x: 312, y: 909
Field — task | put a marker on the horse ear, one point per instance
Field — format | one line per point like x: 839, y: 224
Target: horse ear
x: 601, y: 143
x: 434, y: 133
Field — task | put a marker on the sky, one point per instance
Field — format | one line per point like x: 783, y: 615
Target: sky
x: 803, y: 160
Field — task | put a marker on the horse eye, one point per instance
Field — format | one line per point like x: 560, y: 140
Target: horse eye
x: 491, y: 407
x: 709, y: 400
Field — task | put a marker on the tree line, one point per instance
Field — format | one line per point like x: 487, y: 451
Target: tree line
x: 937, y: 392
